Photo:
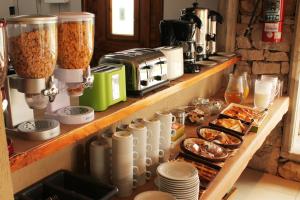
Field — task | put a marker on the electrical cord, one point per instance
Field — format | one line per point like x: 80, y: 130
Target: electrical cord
x: 252, y: 20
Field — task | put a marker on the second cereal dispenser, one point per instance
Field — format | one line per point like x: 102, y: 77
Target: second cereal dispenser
x: 32, y: 49
x: 73, y: 74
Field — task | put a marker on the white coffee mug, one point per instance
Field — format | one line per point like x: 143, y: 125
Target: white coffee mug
x: 100, y: 161
x: 122, y: 162
x: 139, y: 133
x: 166, y: 131
x: 153, y: 140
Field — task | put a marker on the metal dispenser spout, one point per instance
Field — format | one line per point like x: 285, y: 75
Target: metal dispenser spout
x: 37, y: 91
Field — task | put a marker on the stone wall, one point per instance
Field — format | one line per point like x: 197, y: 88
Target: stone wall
x: 267, y: 58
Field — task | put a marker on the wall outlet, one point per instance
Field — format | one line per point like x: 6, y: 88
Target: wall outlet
x: 57, y: 1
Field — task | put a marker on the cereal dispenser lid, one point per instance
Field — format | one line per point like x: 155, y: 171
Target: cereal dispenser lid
x: 76, y: 16
x: 32, y: 19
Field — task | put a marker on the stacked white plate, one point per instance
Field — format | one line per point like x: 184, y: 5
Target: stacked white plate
x: 156, y: 195
x: 179, y: 179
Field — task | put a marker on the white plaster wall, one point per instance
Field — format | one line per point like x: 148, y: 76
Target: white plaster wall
x: 4, y: 7
x: 172, y: 8
x: 24, y: 7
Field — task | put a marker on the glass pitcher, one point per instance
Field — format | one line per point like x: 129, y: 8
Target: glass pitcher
x: 234, y: 92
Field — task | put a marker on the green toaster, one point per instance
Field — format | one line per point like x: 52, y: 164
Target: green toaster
x: 109, y: 87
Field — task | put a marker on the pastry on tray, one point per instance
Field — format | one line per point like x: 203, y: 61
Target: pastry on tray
x: 195, y: 115
x: 243, y: 113
x: 232, y: 124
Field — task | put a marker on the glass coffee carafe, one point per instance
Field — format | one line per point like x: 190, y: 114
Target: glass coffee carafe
x: 235, y: 91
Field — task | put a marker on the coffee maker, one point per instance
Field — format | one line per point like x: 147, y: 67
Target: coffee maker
x: 213, y: 18
x: 205, y: 36
x: 200, y: 36
x: 181, y: 33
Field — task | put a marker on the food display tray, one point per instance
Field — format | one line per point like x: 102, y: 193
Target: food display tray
x: 65, y: 185
x: 256, y: 124
x: 216, y: 159
x: 221, y: 128
x: 229, y: 146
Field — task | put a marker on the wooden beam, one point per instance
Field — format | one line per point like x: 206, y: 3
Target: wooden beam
x: 6, y: 188
x: 291, y: 125
x: 226, y: 32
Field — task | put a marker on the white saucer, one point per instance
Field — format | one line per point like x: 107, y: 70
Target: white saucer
x: 178, y: 171
x: 218, y: 58
x: 226, y: 54
x: 178, y: 184
x: 166, y: 179
x: 193, y: 195
x: 150, y: 195
x: 206, y: 63
x: 194, y: 189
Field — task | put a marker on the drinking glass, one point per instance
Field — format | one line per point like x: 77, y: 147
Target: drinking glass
x: 234, y: 92
x: 275, y: 85
x: 262, y: 94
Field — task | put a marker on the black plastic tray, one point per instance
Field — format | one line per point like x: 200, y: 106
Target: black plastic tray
x: 222, y: 159
x: 66, y: 185
x: 233, y: 132
x: 229, y: 146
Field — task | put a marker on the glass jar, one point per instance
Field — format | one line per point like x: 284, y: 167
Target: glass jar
x: 3, y: 53
x: 234, y: 92
x: 75, y: 39
x: 32, y: 45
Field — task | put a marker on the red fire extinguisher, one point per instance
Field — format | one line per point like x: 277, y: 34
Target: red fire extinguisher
x: 272, y: 20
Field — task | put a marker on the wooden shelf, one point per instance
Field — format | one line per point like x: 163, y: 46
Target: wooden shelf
x: 28, y: 152
x: 234, y: 166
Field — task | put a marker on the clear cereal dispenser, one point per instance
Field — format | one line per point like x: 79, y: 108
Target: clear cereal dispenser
x: 75, y: 51
x: 32, y: 50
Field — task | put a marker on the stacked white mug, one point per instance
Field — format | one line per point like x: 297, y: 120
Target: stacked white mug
x: 166, y: 131
x: 153, y: 140
x: 122, y: 162
x: 139, y: 133
x: 100, y: 160
x: 107, y: 137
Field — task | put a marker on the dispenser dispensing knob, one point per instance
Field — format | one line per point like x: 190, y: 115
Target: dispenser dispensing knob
x: 88, y: 79
x: 51, y: 91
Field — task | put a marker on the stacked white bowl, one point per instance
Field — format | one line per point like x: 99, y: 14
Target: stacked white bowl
x: 180, y: 179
